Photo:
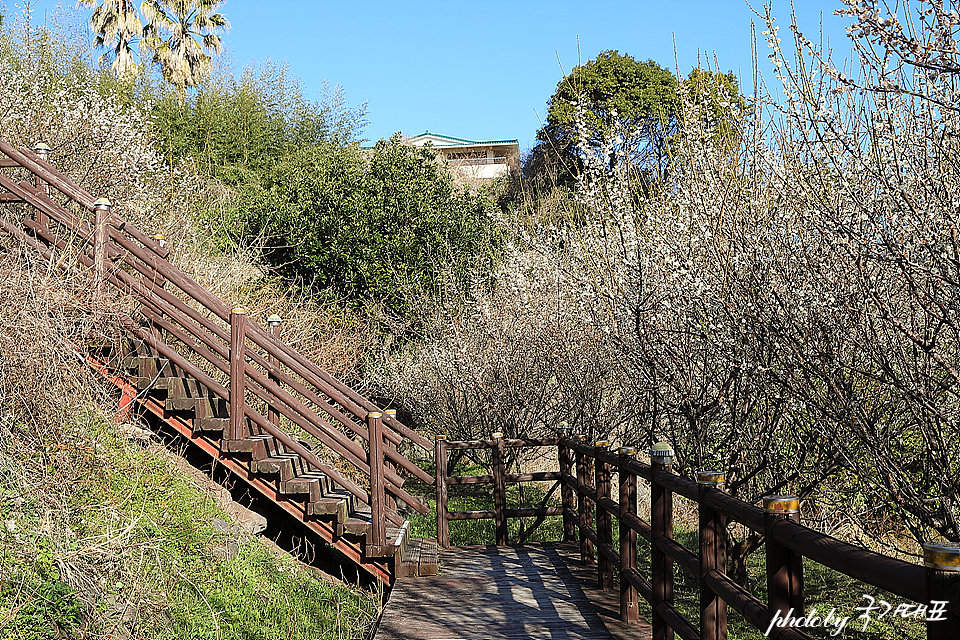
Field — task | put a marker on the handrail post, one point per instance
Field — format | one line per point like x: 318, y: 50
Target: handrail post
x: 566, y: 491
x: 238, y: 321
x: 604, y: 519
x: 584, y: 508
x: 42, y: 152
x: 499, y: 490
x: 274, y: 321
x: 661, y: 526
x: 628, y: 538
x: 443, y: 525
x: 942, y: 562
x: 101, y: 218
x: 784, y: 567
x: 713, y: 557
x: 378, y: 533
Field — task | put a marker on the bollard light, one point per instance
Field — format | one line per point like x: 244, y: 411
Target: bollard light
x: 103, y: 204
x: 662, y: 453
x: 711, y: 478
x: 781, y: 504
x: 274, y: 320
x: 943, y: 556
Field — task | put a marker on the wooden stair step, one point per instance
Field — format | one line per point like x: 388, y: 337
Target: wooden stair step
x: 328, y: 507
x: 311, y: 483
x: 185, y: 388
x: 356, y: 526
x: 202, y: 407
x: 277, y: 463
x: 420, y: 559
x: 211, y: 424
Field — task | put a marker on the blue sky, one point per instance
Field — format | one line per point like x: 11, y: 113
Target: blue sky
x: 485, y: 69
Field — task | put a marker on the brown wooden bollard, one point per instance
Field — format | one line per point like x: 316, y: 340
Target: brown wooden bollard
x: 784, y: 567
x: 567, y: 494
x: 584, y: 508
x: 238, y: 320
x: 378, y: 520
x: 713, y: 557
x: 42, y: 152
x: 628, y: 538
x: 499, y: 490
x: 101, y: 236
x: 605, y: 567
x: 661, y: 526
x: 274, y: 321
x: 942, y: 562
x: 443, y: 525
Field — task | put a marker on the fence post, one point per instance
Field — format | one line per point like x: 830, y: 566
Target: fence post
x: 499, y: 490
x: 443, y: 525
x: 378, y: 533
x: 101, y: 235
x: 238, y: 321
x: 784, y: 567
x: 628, y: 538
x: 274, y: 321
x: 942, y: 562
x: 713, y: 557
x: 604, y: 519
x: 661, y: 525
x: 567, y: 495
x: 584, y: 508
x: 42, y: 151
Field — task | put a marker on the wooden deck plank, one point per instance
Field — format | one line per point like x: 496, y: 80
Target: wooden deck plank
x: 530, y: 591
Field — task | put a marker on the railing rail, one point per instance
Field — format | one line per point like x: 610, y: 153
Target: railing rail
x: 281, y: 379
x: 590, y: 508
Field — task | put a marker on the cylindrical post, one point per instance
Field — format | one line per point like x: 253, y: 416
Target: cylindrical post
x: 443, y: 525
x: 378, y: 524
x: 584, y: 508
x: 604, y: 519
x: 784, y: 567
x: 942, y: 562
x: 713, y: 557
x: 100, y: 239
x: 661, y: 526
x: 499, y: 490
x: 567, y: 495
x: 628, y: 538
x: 274, y: 321
x: 238, y: 320
x: 161, y: 240
x: 42, y: 152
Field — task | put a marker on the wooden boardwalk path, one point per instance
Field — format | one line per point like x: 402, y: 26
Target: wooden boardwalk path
x: 529, y: 591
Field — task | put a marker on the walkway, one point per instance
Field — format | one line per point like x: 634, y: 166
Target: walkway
x: 530, y: 591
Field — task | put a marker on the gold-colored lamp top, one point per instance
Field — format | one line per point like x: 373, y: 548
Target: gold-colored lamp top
x: 628, y: 451
x: 440, y: 436
x: 374, y: 414
x: 781, y: 504
x: 497, y: 434
x: 580, y: 437
x: 239, y: 310
x: 602, y: 444
x: 662, y: 451
x: 391, y: 412
x: 944, y: 556
x: 712, y: 478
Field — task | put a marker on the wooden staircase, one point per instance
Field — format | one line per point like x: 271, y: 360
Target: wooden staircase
x: 303, y: 440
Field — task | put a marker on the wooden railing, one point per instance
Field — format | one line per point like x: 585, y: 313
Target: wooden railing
x: 591, y: 503
x: 265, y: 382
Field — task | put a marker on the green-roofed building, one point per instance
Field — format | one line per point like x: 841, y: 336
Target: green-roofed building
x: 483, y: 159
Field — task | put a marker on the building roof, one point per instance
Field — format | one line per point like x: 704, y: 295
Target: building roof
x: 450, y: 141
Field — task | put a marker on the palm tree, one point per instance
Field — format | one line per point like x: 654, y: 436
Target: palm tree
x: 179, y: 35
x: 117, y: 26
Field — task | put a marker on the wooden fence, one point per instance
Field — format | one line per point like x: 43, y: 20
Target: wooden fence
x: 204, y: 337
x: 590, y: 504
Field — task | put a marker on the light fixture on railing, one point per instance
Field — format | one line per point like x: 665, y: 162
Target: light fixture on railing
x: 943, y: 556
x: 160, y: 239
x: 711, y: 478
x: 662, y: 453
x: 781, y: 504
x: 103, y: 204
x: 627, y: 451
x: 274, y: 320
x: 42, y: 150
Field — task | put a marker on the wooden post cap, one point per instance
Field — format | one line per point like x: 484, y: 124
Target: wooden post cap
x: 440, y: 436
x: 602, y: 444
x: 627, y: 451
x: 102, y: 203
x: 781, y: 504
x: 374, y: 414
x: 711, y: 478
x: 662, y: 452
x: 274, y: 320
x: 239, y: 310
x: 944, y: 556
x: 497, y: 435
